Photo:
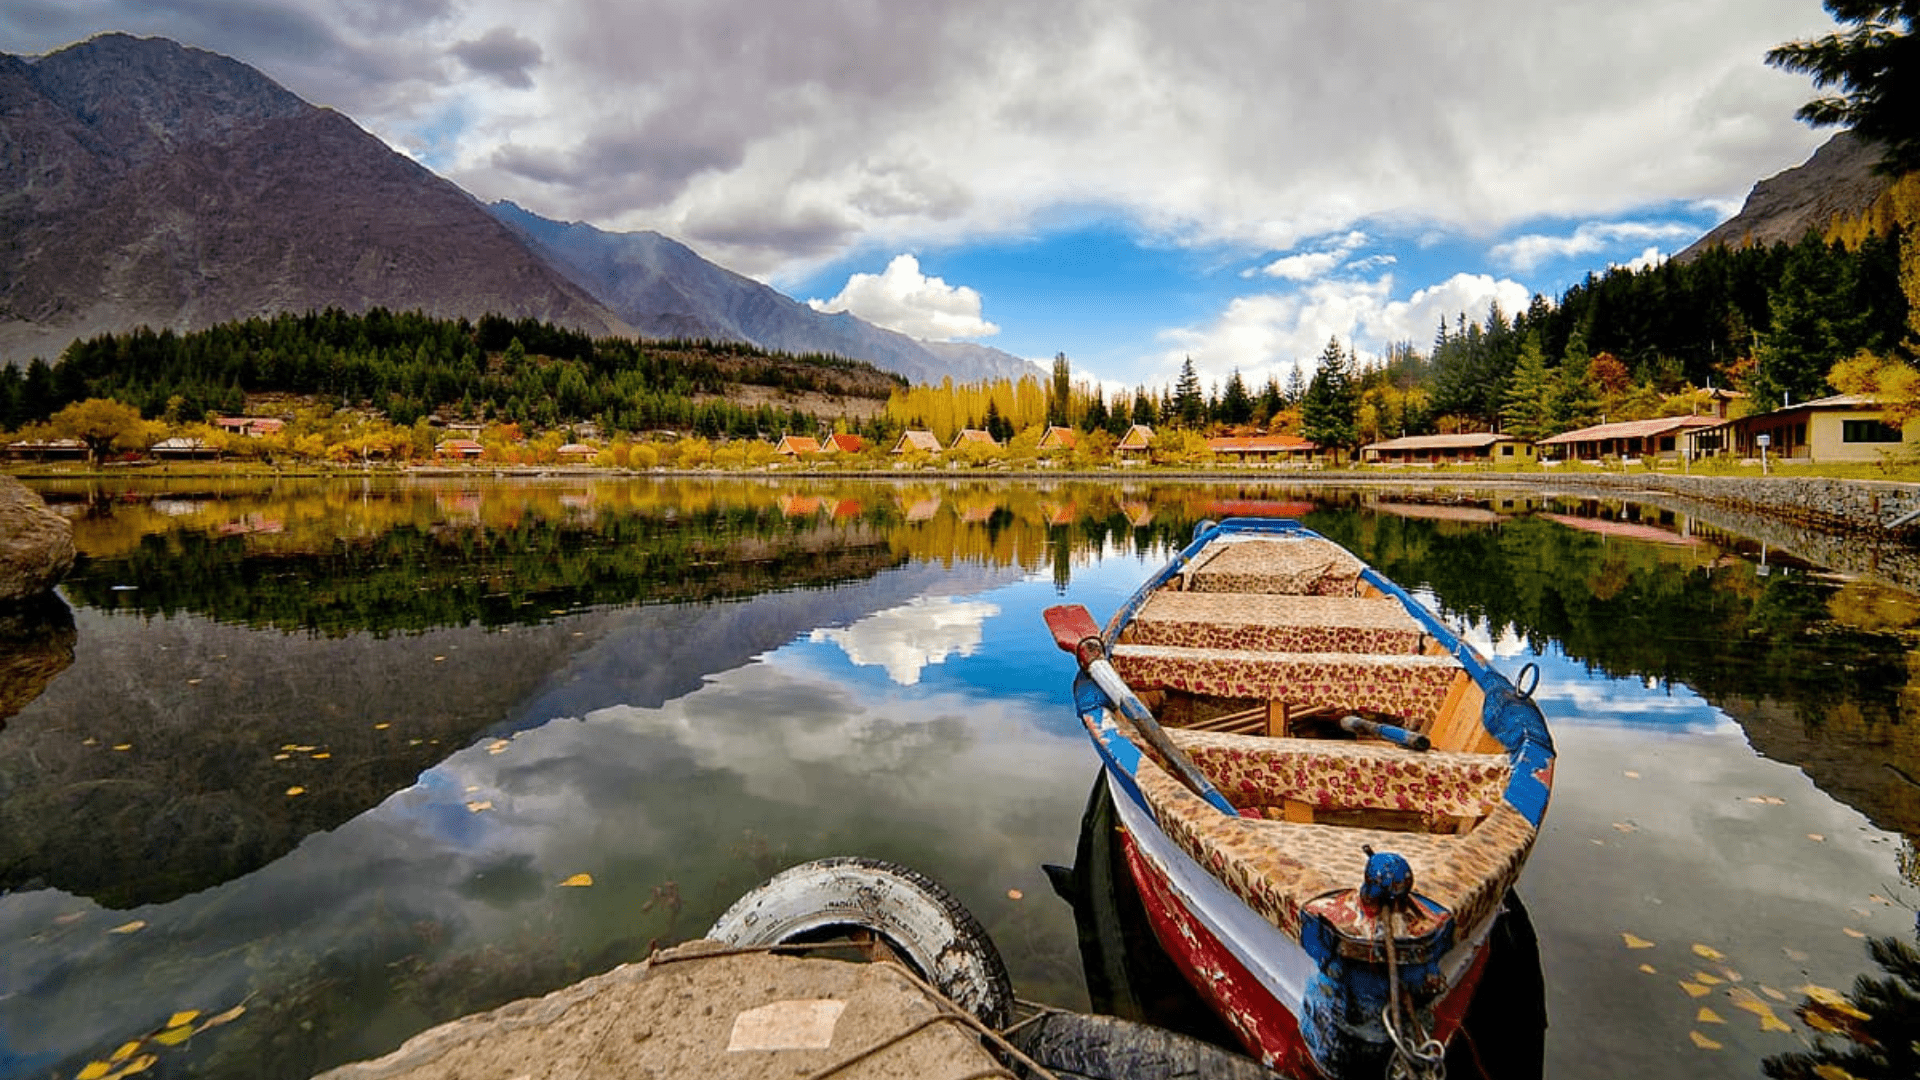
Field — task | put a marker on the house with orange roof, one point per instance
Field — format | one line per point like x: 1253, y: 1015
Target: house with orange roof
x: 1479, y: 447
x: 459, y: 449
x: 1663, y: 437
x: 1843, y: 427
x: 1058, y: 438
x: 973, y: 437
x: 840, y: 443
x: 795, y: 446
x: 1265, y: 449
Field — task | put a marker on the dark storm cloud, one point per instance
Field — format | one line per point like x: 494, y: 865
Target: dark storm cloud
x: 502, y: 54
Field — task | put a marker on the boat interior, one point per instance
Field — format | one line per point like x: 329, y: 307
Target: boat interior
x: 1249, y: 656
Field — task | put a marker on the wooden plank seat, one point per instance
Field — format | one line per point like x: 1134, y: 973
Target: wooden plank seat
x: 1297, y: 566
x: 1275, y: 867
x: 1411, y: 688
x: 1328, y: 774
x: 1261, y: 622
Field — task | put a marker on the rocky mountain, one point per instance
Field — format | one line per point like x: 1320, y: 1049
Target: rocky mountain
x: 1838, y: 180
x: 663, y: 289
x: 146, y: 182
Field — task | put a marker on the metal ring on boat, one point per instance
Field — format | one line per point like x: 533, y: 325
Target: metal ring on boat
x: 1521, y: 685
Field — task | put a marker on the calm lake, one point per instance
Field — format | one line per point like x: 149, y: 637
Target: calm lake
x: 329, y: 749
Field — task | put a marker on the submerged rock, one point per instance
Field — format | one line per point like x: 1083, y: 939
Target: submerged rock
x: 36, y: 544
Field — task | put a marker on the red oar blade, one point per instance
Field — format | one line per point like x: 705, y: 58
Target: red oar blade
x: 1071, y: 625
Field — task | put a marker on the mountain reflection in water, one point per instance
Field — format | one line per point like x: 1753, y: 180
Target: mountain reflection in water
x: 479, y: 689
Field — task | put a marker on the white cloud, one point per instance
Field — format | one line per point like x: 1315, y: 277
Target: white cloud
x: 836, y: 127
x: 1263, y: 334
x: 902, y: 298
x: 904, y: 640
x: 1527, y: 253
x: 1331, y: 254
x: 1647, y: 259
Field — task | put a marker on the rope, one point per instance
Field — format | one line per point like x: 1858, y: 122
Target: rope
x: 947, y: 1013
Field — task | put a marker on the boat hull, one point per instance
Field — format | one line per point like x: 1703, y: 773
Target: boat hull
x: 1253, y: 977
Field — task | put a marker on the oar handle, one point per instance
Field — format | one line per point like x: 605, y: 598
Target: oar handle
x: 1075, y: 632
x: 1412, y: 740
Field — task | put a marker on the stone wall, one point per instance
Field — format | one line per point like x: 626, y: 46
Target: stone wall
x: 1852, y: 506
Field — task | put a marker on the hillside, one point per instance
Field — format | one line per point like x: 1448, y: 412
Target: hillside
x: 161, y: 185
x: 1836, y: 183
x: 663, y: 289
x: 146, y: 183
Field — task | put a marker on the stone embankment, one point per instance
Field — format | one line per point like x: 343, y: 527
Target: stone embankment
x: 1875, y: 507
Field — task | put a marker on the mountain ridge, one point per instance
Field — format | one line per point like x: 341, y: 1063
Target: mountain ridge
x: 146, y: 182
x: 1837, y: 182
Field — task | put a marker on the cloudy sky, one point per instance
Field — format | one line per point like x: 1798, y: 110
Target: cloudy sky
x: 1125, y: 181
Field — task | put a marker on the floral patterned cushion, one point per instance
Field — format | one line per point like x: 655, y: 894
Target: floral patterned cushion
x: 1255, y: 622
x: 1326, y: 774
x: 1275, y: 867
x: 1411, y: 688
x: 1302, y: 566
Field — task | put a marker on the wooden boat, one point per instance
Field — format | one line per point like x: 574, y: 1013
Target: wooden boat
x: 1339, y: 801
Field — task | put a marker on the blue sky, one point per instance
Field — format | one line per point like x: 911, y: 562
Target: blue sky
x: 1126, y: 181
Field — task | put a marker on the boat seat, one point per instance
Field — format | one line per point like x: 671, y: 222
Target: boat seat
x: 1260, y: 622
x: 1298, y: 566
x: 1412, y: 688
x: 1330, y: 774
x: 1276, y: 867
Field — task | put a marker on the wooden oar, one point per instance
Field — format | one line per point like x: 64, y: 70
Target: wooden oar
x: 1075, y: 631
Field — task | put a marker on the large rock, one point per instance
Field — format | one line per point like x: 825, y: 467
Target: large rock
x: 36, y: 544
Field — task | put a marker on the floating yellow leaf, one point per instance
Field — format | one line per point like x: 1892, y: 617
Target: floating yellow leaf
x: 1707, y: 980
x: 126, y: 1051
x: 1707, y: 1016
x: 1772, y: 993
x: 124, y: 746
x: 1818, y: 1021
x: 1708, y: 952
x: 93, y: 1070
x: 1635, y: 942
x: 1649, y: 969
x: 69, y: 917
x: 129, y: 928
x: 1702, y: 1041
x: 227, y: 1017
x: 296, y: 790
x: 174, y: 1036
x: 497, y: 746
x: 1694, y: 990
x: 185, y: 1016
x: 1625, y: 826
x: 193, y: 682
x: 383, y: 725
x: 578, y: 880
x: 137, y: 1065
x: 1631, y: 775
x: 1767, y: 800
x: 322, y: 756
x: 1015, y: 894
x: 438, y: 659
x: 1745, y: 999
x: 1833, y: 1000
x: 1851, y: 932
x: 478, y: 805
x: 1816, y: 838
x: 281, y: 757
x: 89, y: 741
x: 1833, y: 1072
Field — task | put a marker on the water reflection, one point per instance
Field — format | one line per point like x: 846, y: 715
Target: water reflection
x: 481, y: 689
x: 36, y: 644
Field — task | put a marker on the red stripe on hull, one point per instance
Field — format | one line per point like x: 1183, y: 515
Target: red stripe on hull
x: 1267, y: 1029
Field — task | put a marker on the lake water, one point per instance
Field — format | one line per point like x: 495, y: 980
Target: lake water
x: 328, y: 750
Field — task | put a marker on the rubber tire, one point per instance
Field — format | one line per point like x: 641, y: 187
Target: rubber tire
x: 1082, y: 1046
x: 918, y: 918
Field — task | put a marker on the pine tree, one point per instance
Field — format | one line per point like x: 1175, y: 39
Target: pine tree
x: 1188, y: 406
x: 1330, y: 408
x: 1876, y: 65
x: 1236, y: 405
x: 1526, y: 410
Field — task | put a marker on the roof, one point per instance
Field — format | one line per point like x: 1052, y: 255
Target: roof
x: 1466, y: 441
x: 577, y: 448
x: 1064, y: 437
x: 1137, y: 436
x: 1633, y: 429
x: 974, y: 435
x: 845, y: 444
x: 917, y: 440
x: 798, y: 444
x: 1254, y: 444
x: 457, y: 446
